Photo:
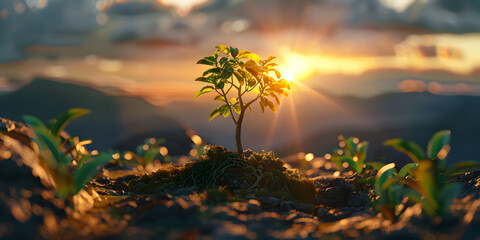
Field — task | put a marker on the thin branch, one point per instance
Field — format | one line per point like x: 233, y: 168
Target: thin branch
x: 255, y: 99
x: 229, y: 107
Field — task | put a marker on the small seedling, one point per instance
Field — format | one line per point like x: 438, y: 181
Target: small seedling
x: 437, y: 148
x: 354, y: 153
x: 390, y: 191
x: 429, y: 182
x: 59, y: 160
x: 241, y: 73
x: 148, y: 151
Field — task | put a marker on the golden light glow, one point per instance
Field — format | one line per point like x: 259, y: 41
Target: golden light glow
x: 295, y: 66
x: 184, y: 6
x: 163, y: 151
x: 309, y: 157
x: 197, y: 139
x: 194, y: 152
x: 128, y: 156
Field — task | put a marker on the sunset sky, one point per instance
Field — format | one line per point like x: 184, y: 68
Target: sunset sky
x: 149, y: 48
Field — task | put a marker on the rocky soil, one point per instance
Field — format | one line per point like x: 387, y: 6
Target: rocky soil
x: 109, y: 209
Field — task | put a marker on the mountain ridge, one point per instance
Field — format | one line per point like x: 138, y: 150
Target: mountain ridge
x: 117, y: 122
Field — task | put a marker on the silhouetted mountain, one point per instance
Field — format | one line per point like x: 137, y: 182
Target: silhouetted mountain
x: 412, y: 116
x: 114, y: 122
x: 310, y: 121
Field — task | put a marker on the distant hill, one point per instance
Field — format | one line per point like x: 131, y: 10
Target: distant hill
x: 115, y: 122
x: 412, y: 116
x: 311, y: 122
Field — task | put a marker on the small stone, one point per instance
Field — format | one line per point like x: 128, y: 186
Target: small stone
x: 336, y: 194
x: 322, y: 212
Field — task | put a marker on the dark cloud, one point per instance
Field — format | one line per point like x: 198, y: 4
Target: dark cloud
x: 437, y: 15
x: 59, y: 23
x: 72, y: 22
x: 132, y: 8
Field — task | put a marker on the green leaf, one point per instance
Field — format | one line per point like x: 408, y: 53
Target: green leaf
x: 234, y: 51
x: 205, y: 62
x: 150, y: 155
x: 337, y: 160
x: 277, y: 73
x: 237, y: 108
x: 85, y: 173
x: 227, y: 72
x: 212, y: 58
x: 241, y: 52
x: 429, y: 185
x: 46, y: 142
x: 284, y: 83
x: 220, y: 84
x: 50, y: 143
x: 203, y: 79
x: 375, y: 165
x: 214, y: 113
x: 438, y: 141
x: 407, y: 147
x: 269, y: 59
x: 35, y: 123
x: 350, y: 147
x: 407, y: 169
x: 223, y: 60
x: 212, y: 70
x: 224, y: 110
x: 271, y: 105
x: 353, y: 164
x: 251, y: 56
x: 417, y: 197
x: 383, y: 174
x: 219, y: 98
x: 361, y: 151
x: 239, y: 77
x: 223, y: 48
x: 276, y: 98
x: 82, y: 160
x: 63, y: 119
x: 204, y: 90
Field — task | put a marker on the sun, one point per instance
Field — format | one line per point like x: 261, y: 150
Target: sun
x: 295, y: 66
x: 289, y: 76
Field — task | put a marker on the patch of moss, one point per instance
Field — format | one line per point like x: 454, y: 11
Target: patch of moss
x: 221, y: 167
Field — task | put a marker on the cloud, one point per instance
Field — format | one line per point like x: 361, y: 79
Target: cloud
x: 59, y: 23
x: 132, y: 8
x: 437, y: 15
x: 73, y: 22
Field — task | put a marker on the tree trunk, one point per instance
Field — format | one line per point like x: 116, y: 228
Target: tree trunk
x: 238, y: 133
